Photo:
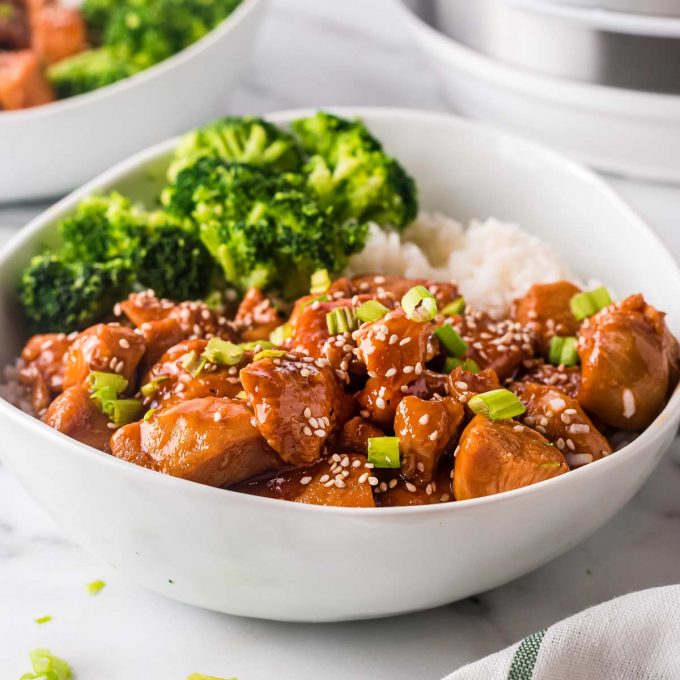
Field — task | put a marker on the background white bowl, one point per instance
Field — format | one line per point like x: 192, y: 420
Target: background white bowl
x: 48, y: 150
x: 272, y: 559
x: 627, y: 132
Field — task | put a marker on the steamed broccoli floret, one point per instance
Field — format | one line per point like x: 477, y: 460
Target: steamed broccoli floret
x: 153, y: 30
x: 264, y: 229
x: 110, y: 248
x: 89, y: 71
x: 349, y: 170
x: 97, y: 14
x: 174, y: 262
x: 241, y: 139
x: 57, y: 295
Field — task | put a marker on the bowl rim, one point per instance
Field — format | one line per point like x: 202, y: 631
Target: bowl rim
x: 227, y: 26
x: 577, y: 94
x: 665, y: 421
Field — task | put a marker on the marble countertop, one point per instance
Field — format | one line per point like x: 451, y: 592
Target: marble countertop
x: 315, y: 53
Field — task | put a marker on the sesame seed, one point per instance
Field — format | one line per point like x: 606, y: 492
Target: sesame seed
x: 461, y: 385
x: 363, y: 477
x: 217, y: 417
x: 407, y: 369
x: 370, y: 466
x: 305, y: 372
x: 340, y: 483
x: 380, y: 403
x: 410, y: 487
x: 335, y: 458
x: 428, y: 489
x: 305, y: 480
x: 356, y: 463
x: 420, y: 466
x: 433, y: 436
x: 373, y: 481
x: 578, y: 428
x: 324, y: 479
x: 124, y: 343
x: 320, y: 433
x: 307, y: 431
x: 390, y: 372
x: 382, y: 486
x: 518, y: 428
x: 424, y: 419
x: 404, y: 341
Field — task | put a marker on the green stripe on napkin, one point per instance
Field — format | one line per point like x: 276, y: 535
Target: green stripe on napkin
x: 524, y: 661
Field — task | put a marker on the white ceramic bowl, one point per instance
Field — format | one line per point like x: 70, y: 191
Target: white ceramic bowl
x: 48, y: 150
x: 622, y: 131
x: 273, y: 559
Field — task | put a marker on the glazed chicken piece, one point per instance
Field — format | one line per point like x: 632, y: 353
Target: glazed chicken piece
x: 426, y: 430
x: 428, y: 385
x: 396, y: 492
x: 567, y: 379
x: 628, y: 363
x: 256, y: 317
x: 463, y: 385
x: 159, y: 337
x: 397, y: 286
x: 43, y: 369
x: 497, y: 456
x: 111, y: 348
x: 356, y: 433
x: 144, y: 307
x: 394, y: 350
x: 499, y: 345
x: 22, y: 82
x: 14, y: 33
x: 561, y: 419
x: 173, y: 380
x: 75, y: 414
x: 341, y: 480
x: 298, y: 404
x: 57, y: 32
x: 212, y: 441
x: 545, y: 311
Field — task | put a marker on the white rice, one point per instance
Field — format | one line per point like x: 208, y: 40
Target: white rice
x: 492, y: 262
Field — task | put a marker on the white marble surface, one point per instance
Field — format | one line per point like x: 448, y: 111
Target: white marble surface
x: 314, y: 53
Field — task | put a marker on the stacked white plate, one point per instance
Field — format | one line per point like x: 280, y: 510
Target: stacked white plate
x: 591, y: 77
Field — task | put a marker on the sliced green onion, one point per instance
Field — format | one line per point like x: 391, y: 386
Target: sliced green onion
x: 150, y: 388
x: 586, y: 304
x: 452, y: 342
x: 149, y: 414
x: 279, y: 335
x: 124, y: 411
x: 94, y: 587
x: 383, y: 452
x: 371, y: 311
x: 452, y: 363
x: 258, y: 345
x: 497, y: 405
x: 269, y: 354
x: 320, y: 282
x: 47, y: 666
x: 193, y: 363
x: 318, y: 298
x: 222, y: 352
x: 99, y: 380
x: 43, y: 619
x: 455, y: 307
x: 104, y: 395
x: 341, y: 320
x: 562, y: 351
x: 419, y: 304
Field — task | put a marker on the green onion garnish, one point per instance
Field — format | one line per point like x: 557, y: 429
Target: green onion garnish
x: 149, y: 414
x: 255, y: 344
x: 123, y: 411
x: 452, y: 342
x: 455, y: 307
x: 46, y: 666
x: 563, y: 351
x: 452, y: 363
x: 193, y: 363
x: 99, y: 380
x: 341, y: 320
x: 497, y: 405
x: 383, y: 452
x: 269, y: 354
x: 371, y: 311
x: 43, y: 619
x: 586, y: 304
x: 222, y: 352
x: 94, y: 587
x: 320, y: 282
x: 279, y: 335
x: 150, y: 388
x: 419, y: 304
x: 104, y: 395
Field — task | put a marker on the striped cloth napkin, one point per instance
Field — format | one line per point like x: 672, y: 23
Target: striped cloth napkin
x: 634, y: 637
